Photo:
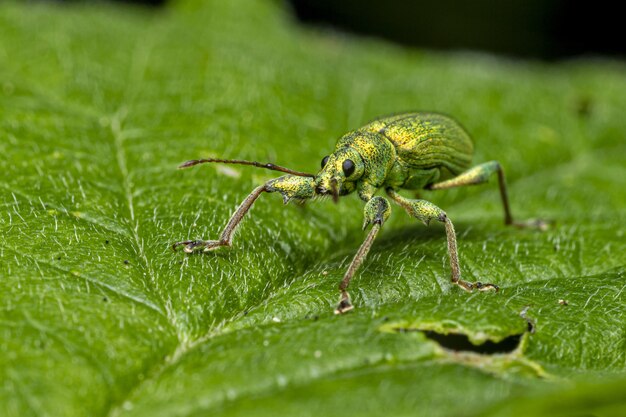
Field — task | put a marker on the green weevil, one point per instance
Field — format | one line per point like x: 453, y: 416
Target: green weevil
x: 411, y: 151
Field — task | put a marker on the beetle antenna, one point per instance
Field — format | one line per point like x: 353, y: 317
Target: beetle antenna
x: 333, y: 186
x: 243, y: 162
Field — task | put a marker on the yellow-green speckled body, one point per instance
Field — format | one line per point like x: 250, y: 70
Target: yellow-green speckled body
x: 427, y: 147
x: 426, y: 142
x: 410, y: 151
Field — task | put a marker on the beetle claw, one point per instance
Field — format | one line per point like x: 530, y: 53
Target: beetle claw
x: 184, y: 242
x: 344, y: 306
x: 539, y: 224
x: 486, y: 286
x: 191, y: 245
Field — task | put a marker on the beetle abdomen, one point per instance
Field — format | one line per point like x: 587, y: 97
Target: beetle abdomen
x: 427, y: 140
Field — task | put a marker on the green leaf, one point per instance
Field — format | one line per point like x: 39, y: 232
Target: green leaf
x: 100, y: 103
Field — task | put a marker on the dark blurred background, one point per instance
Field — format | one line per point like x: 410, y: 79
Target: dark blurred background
x: 544, y: 29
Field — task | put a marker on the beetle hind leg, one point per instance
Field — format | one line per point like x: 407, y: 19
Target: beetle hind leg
x: 481, y: 174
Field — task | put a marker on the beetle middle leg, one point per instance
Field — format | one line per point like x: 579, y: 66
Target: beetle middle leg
x: 427, y: 211
x: 290, y: 186
x: 481, y: 174
x: 376, y: 211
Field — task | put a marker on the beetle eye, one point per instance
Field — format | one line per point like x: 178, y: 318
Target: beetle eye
x: 348, y: 167
x: 325, y: 161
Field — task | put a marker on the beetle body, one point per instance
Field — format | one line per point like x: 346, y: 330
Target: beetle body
x: 406, y: 151
x: 429, y: 147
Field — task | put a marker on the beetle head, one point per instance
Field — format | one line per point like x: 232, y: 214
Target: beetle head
x: 340, y: 172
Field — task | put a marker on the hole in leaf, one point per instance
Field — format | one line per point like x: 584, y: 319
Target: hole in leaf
x: 461, y: 343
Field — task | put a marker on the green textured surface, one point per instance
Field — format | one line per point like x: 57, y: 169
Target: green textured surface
x: 98, y: 317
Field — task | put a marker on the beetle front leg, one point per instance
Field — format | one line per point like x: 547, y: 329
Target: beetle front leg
x: 481, y: 174
x: 376, y: 211
x: 427, y: 211
x: 290, y: 186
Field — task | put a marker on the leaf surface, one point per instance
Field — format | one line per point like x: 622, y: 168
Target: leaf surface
x: 100, y: 103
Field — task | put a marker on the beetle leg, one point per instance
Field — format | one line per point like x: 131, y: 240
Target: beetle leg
x: 290, y: 186
x: 376, y: 211
x: 427, y: 211
x: 227, y: 234
x: 481, y: 174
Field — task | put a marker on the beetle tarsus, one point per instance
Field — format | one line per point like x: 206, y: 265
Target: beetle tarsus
x: 538, y: 224
x: 191, y: 245
x: 486, y: 287
x: 344, y: 305
x: 181, y: 243
x: 480, y: 286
